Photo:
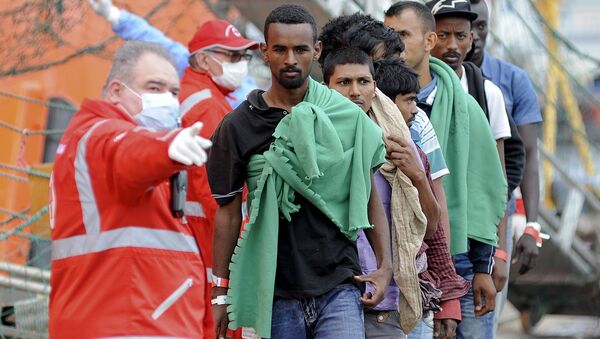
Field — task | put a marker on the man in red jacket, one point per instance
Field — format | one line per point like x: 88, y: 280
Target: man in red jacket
x: 122, y: 265
x: 218, y: 65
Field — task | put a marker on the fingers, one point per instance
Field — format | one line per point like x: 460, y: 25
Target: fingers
x: 449, y: 328
x: 477, y: 300
x: 398, y: 140
x: 367, y: 299
x: 204, y: 143
x: 437, y: 328
x: 195, y: 128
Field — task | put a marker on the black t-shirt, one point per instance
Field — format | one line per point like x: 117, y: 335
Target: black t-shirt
x: 313, y: 256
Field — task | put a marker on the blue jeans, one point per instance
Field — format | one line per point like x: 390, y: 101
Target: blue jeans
x: 423, y: 330
x: 335, y: 314
x: 471, y: 327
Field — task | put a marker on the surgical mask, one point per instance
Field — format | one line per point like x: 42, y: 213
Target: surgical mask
x: 160, y: 111
x: 233, y: 75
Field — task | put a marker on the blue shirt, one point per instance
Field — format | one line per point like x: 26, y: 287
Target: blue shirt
x: 425, y: 92
x: 132, y: 27
x: 519, y: 96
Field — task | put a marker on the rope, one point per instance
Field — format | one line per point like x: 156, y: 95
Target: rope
x: 584, y: 89
x: 25, y: 170
x: 561, y: 38
x: 25, y: 131
x: 14, y: 216
x: 38, y: 102
x: 540, y: 91
x: 28, y: 222
x: 13, y: 177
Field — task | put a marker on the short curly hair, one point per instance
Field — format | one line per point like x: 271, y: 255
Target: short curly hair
x: 290, y: 14
x: 359, y: 31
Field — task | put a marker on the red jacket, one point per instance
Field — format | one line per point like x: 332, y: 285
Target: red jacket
x: 202, y: 100
x: 121, y: 264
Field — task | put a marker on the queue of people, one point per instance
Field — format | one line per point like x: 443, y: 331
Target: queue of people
x: 373, y: 205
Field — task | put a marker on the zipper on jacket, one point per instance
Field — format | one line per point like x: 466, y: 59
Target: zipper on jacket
x: 165, y: 305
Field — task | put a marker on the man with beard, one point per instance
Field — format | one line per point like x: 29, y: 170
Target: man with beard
x: 521, y: 103
x: 453, y: 29
x: 307, y: 155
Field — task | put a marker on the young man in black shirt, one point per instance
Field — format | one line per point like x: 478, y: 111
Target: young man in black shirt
x: 317, y: 267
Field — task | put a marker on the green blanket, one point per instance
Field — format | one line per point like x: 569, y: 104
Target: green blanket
x: 324, y: 150
x: 476, y: 187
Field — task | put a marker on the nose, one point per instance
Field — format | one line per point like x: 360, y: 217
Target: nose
x: 353, y: 90
x: 290, y: 58
x: 452, y: 43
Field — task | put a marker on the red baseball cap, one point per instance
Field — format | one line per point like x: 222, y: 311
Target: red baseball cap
x: 219, y: 33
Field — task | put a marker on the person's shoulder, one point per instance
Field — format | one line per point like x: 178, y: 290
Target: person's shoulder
x: 243, y: 111
x: 506, y: 66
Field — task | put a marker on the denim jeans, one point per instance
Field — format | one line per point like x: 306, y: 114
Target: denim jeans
x: 383, y: 325
x: 471, y: 326
x: 423, y: 330
x: 335, y: 314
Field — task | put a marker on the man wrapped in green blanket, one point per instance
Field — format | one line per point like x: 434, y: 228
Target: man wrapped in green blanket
x: 307, y: 155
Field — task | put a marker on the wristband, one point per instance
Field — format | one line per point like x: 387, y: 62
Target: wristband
x: 535, y: 234
x: 535, y: 225
x: 220, y: 300
x: 219, y: 282
x: 501, y: 254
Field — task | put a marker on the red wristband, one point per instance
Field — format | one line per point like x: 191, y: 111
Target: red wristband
x: 501, y: 254
x: 220, y: 282
x: 535, y: 234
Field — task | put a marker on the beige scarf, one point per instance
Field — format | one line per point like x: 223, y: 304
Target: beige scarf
x: 408, y: 221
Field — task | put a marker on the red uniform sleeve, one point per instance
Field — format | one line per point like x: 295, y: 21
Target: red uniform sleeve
x: 209, y: 112
x: 134, y: 158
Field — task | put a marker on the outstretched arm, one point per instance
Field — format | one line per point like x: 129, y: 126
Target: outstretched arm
x: 129, y: 26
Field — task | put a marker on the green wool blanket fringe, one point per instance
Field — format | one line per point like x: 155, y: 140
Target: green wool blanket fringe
x: 476, y: 187
x: 324, y: 150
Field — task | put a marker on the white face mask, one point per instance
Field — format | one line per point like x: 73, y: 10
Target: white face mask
x: 160, y: 111
x: 234, y: 74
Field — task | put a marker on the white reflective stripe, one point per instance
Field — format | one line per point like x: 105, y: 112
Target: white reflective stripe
x: 89, y: 209
x: 193, y: 209
x: 193, y: 100
x: 139, y: 237
x: 209, y: 275
x: 244, y: 210
x: 142, y: 337
x: 172, y: 298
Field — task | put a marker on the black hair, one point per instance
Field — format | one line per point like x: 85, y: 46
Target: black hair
x: 345, y: 56
x: 475, y: 2
x: 359, y: 31
x: 395, y: 78
x: 290, y: 14
x: 422, y: 12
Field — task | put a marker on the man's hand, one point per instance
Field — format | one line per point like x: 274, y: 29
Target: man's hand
x: 526, y: 253
x: 188, y: 147
x: 105, y: 9
x: 484, y: 293
x: 221, y: 320
x: 380, y: 280
x: 403, y: 157
x: 444, y: 328
x: 499, y: 274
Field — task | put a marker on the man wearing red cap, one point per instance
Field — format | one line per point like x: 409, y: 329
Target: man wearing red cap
x: 214, y: 65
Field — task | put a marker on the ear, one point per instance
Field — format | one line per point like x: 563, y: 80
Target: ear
x: 318, y: 48
x: 114, y: 91
x: 264, y: 51
x: 374, y: 89
x: 430, y: 40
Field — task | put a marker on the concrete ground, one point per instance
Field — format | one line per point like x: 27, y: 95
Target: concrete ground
x: 550, y: 326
